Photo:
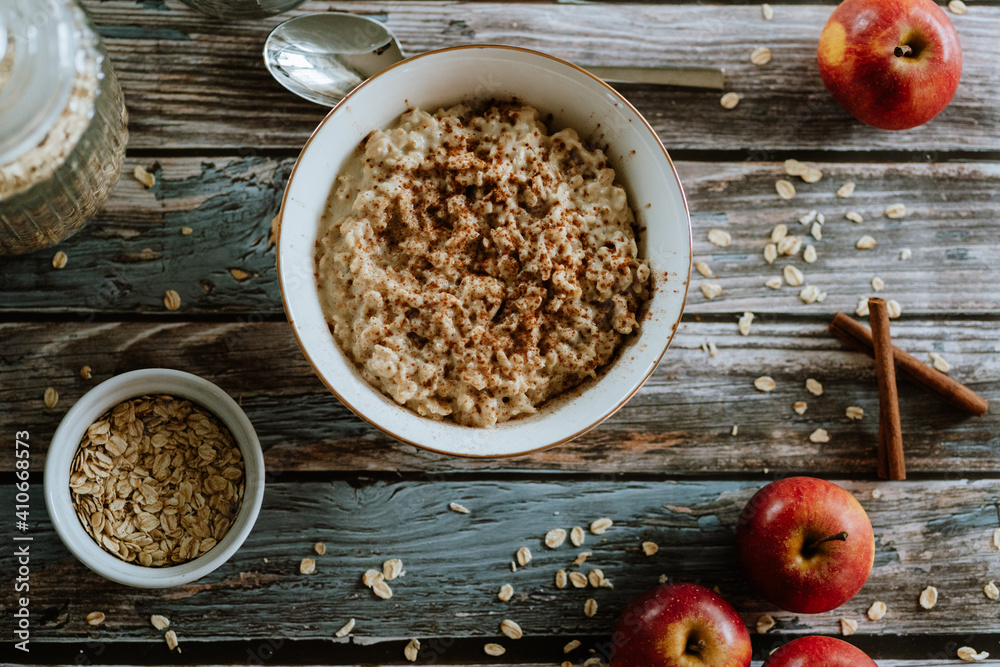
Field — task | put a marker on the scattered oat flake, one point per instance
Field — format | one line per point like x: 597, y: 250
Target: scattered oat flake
x: 790, y: 245
x: 571, y: 646
x: 794, y: 167
x: 455, y: 507
x: 650, y: 548
x: 577, y: 536
x: 905, y: 254
x: 712, y: 350
x: 599, y: 526
x: 765, y: 383
x: 555, y: 538
x: 51, y: 397
x: 967, y: 653
x: 566, y: 663
x: 506, y: 592
x: 319, y: 548
x: 711, y: 290
x: 745, y: 321
x: 578, y: 579
x: 929, y: 597
x: 876, y: 611
x: 809, y: 254
x: 816, y: 231
x: 511, y: 629
x: 808, y: 217
x: 595, y: 577
x: 895, y: 310
x: 770, y: 253
x: 240, y: 274
x: 819, y: 436
x: 895, y: 211
x: 729, y: 100
x: 592, y: 662
x: 171, y: 638
x: 855, y: 413
x: 582, y: 557
x: 812, y: 175
x: 773, y: 282
x: 760, y: 56
x: 372, y: 577
x: 996, y: 538
x: 143, y: 176
x: 861, y: 310
x: 957, y: 7
x: 785, y: 189
x: 878, y: 284
x: 392, y: 569
x: 854, y: 216
x: 736, y: 430
x: 86, y: 372
x: 704, y: 269
x: 307, y: 565
x: 411, y: 650
x: 494, y: 649
x: 779, y: 232
x: 939, y: 362
x: 764, y: 623
x: 590, y: 607
x: 346, y: 630
x: 876, y: 493
x: 793, y: 276
x: 767, y: 12
x: 848, y: 626
x: 811, y: 294
x: 95, y: 618
x: 171, y: 299
x: 814, y: 387
x: 59, y: 260
x: 846, y: 190
x: 159, y: 622
x: 799, y: 407
x: 523, y: 556
x: 186, y: 231
x: 561, y: 579
x: 866, y: 242
x: 991, y: 591
x: 719, y: 237
x: 382, y: 590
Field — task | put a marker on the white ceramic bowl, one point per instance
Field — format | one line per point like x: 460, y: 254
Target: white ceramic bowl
x: 66, y: 441
x: 575, y: 99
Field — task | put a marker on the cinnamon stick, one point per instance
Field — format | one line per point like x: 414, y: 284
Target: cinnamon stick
x: 849, y: 331
x: 890, y: 432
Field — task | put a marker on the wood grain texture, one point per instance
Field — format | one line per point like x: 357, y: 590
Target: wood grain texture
x: 927, y: 533
x: 192, y: 81
x: 679, y: 424
x: 123, y: 261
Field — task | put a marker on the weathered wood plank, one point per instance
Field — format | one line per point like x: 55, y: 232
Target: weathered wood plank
x: 678, y: 424
x: 926, y: 533
x: 191, y: 81
x: 124, y: 260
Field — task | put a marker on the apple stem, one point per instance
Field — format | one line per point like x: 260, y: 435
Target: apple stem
x: 841, y: 537
x: 903, y: 51
x: 697, y: 647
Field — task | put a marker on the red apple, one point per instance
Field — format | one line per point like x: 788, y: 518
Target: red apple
x: 680, y: 625
x: 819, y: 652
x: 893, y: 64
x: 805, y: 544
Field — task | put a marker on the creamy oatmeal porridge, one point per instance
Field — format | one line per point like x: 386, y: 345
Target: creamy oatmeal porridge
x: 473, y: 266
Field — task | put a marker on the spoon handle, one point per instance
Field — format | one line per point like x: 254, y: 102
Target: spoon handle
x: 688, y: 77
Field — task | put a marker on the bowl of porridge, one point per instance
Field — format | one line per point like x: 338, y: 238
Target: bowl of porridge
x: 484, y: 251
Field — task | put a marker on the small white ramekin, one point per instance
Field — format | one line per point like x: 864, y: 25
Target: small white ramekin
x: 87, y: 410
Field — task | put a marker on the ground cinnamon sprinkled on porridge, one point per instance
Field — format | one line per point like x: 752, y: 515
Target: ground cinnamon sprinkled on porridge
x: 473, y: 266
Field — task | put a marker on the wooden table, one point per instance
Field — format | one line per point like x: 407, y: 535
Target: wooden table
x: 221, y: 137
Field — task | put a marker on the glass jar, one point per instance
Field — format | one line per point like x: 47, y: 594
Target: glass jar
x: 62, y: 123
x: 243, y: 9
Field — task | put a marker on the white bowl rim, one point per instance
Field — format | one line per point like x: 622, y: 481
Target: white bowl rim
x: 92, y: 405
x: 673, y: 329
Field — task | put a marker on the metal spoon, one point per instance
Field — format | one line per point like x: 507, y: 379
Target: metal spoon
x: 322, y: 57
